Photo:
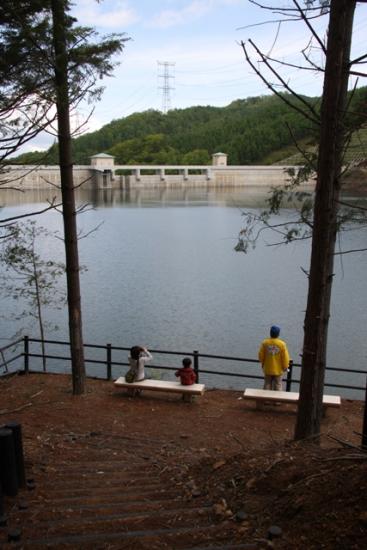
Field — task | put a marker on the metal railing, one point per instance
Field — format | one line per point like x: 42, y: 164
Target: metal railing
x: 6, y: 362
x: 109, y: 363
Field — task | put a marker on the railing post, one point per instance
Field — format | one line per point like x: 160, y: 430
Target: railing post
x: 364, y: 429
x: 289, y: 376
x: 26, y: 354
x: 109, y: 361
x: 196, y: 365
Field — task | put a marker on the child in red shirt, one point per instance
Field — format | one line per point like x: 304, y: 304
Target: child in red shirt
x: 187, y: 376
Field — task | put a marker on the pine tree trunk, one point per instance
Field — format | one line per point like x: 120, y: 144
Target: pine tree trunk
x: 331, y: 147
x: 68, y: 199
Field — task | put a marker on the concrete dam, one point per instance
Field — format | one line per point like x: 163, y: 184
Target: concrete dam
x: 103, y: 173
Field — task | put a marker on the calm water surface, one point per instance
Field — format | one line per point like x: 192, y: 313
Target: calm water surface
x: 161, y: 271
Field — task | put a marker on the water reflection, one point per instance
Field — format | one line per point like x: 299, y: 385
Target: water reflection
x: 162, y: 271
x: 249, y: 197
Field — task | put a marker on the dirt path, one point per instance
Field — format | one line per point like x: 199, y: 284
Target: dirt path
x: 229, y: 470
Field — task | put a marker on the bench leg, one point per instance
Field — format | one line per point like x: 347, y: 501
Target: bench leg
x: 133, y: 392
x: 187, y: 398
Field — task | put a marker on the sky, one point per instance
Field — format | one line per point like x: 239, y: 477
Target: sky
x: 201, y: 41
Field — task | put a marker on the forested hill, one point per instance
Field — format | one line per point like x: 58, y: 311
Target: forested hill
x: 251, y: 131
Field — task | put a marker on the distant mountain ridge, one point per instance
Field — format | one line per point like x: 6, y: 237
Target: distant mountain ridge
x: 257, y: 130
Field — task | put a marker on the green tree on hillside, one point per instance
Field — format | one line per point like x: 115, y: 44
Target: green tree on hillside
x: 247, y: 130
x: 197, y: 156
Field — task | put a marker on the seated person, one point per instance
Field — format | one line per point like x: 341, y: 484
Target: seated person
x: 138, y: 357
x: 187, y: 376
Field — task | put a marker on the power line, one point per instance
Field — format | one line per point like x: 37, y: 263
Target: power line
x: 166, y: 88
x: 202, y: 71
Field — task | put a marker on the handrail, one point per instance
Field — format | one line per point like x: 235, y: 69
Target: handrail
x: 5, y: 363
x: 11, y: 345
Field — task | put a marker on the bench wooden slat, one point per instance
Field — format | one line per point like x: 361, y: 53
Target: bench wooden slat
x: 286, y: 396
x: 161, y: 385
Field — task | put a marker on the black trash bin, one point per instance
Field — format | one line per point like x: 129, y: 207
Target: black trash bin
x: 8, y: 465
x: 16, y: 429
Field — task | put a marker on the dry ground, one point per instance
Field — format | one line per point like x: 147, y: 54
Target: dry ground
x: 219, y: 449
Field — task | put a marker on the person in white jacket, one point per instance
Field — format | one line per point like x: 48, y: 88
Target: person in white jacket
x: 138, y: 357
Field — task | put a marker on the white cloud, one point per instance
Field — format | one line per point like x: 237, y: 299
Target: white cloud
x: 108, y: 15
x: 172, y: 18
x: 194, y: 10
x: 40, y: 147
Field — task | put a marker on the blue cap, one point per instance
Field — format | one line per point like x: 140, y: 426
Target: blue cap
x: 274, y: 331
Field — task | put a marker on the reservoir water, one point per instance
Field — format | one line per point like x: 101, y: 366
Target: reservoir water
x: 162, y: 271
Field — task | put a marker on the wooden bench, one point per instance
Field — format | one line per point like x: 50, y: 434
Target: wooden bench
x: 161, y: 385
x: 262, y: 396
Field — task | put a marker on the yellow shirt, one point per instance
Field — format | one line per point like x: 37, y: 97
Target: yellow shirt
x: 274, y: 356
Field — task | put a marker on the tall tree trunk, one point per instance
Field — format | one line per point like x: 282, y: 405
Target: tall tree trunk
x: 331, y: 147
x: 68, y: 199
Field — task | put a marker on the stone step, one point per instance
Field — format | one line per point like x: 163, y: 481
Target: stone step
x: 109, y: 487
x: 239, y: 546
x: 115, y: 469
x: 105, y: 497
x: 123, y: 496
x: 122, y: 510
x: 121, y: 442
x: 160, y: 519
x: 154, y: 539
x: 97, y: 482
x: 97, y: 478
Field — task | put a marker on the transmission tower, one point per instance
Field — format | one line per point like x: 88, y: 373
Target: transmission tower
x: 164, y: 72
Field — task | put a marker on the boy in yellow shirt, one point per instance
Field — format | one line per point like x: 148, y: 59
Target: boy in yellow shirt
x: 274, y: 359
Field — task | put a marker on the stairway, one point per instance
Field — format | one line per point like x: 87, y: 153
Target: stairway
x: 112, y: 492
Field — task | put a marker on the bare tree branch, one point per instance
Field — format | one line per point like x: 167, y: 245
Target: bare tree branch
x: 350, y: 251
x: 355, y: 206
x: 82, y: 235
x: 314, y: 118
x: 280, y: 243
x: 29, y: 214
x: 356, y: 73
x: 306, y: 20
x: 306, y: 155
x: 293, y: 65
x: 358, y: 60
